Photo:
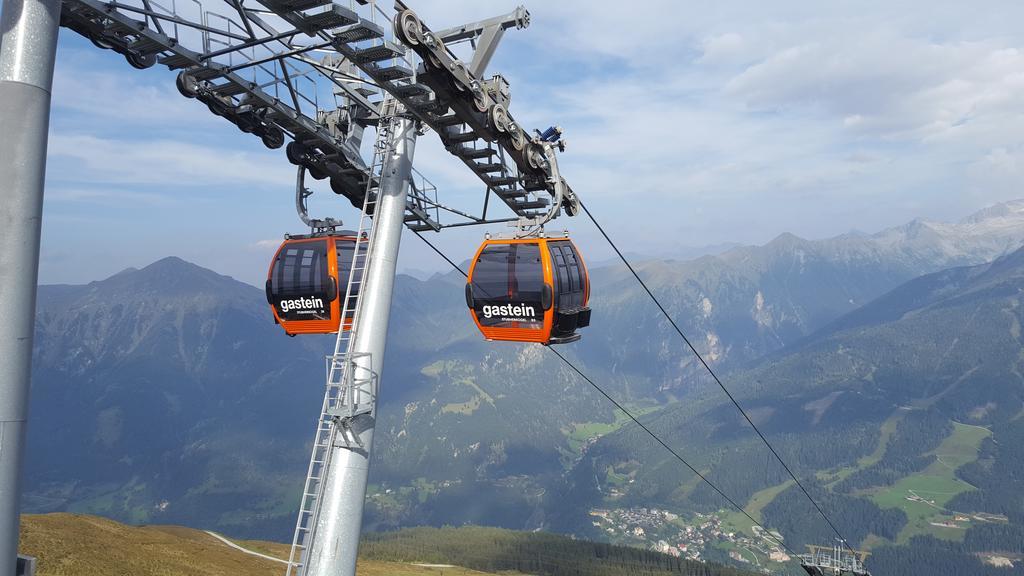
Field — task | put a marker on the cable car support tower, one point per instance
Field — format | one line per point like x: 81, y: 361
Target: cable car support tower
x: 311, y: 76
x: 834, y: 561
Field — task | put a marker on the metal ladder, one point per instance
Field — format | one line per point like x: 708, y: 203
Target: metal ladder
x: 343, y: 398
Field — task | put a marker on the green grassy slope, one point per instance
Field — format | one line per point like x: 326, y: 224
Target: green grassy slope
x: 77, y: 545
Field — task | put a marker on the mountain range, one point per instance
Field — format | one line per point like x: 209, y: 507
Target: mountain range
x: 167, y: 394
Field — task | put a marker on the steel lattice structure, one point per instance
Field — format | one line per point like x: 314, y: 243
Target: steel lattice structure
x: 319, y: 73
x: 834, y: 561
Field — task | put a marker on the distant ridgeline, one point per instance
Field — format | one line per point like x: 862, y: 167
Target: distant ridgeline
x: 895, y: 397
x: 496, y: 550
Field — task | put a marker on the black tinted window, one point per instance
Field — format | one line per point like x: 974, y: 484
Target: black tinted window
x: 569, y: 281
x: 529, y: 272
x: 508, y: 280
x: 491, y: 274
x: 301, y: 269
x: 509, y: 272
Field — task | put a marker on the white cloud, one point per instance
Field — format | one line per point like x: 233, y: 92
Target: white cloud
x: 265, y: 245
x: 105, y: 196
x: 726, y: 121
x: 723, y: 49
x: 888, y: 86
x: 163, y: 162
x: 90, y: 88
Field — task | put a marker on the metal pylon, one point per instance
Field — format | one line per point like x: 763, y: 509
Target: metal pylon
x: 351, y: 388
x: 833, y: 561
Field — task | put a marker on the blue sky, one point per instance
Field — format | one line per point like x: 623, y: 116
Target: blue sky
x: 687, y: 125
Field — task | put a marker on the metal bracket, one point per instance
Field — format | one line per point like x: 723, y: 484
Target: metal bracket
x: 301, y: 194
x: 485, y: 34
x: 26, y: 566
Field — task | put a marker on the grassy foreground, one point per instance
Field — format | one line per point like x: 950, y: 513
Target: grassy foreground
x: 76, y: 545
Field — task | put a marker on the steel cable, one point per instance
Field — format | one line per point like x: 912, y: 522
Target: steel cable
x: 715, y: 377
x: 630, y: 415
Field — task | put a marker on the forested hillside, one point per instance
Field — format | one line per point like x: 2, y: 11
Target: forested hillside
x: 496, y: 550
x: 902, y: 419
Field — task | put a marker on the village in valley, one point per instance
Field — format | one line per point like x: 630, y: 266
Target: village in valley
x: 698, y: 537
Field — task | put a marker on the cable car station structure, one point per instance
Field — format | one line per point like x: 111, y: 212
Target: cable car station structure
x: 836, y: 560
x: 310, y: 76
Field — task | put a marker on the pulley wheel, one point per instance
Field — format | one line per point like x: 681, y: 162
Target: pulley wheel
x: 245, y: 122
x: 295, y: 152
x: 516, y: 137
x: 499, y: 118
x: 434, y: 42
x: 535, y: 156
x: 409, y: 28
x: 140, y: 61
x: 99, y: 42
x: 273, y: 137
x: 480, y: 103
x: 461, y: 74
x: 186, y: 84
x: 215, y: 106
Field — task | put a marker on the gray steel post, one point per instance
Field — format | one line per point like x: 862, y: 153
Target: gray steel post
x: 333, y: 550
x: 28, y: 47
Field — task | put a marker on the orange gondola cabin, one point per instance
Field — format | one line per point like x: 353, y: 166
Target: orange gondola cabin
x: 308, y: 279
x: 529, y: 290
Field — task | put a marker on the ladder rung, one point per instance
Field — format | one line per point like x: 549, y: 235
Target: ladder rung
x: 512, y: 198
x: 294, y: 5
x: 529, y: 204
x: 385, y: 51
x: 178, y: 61
x: 410, y: 90
x: 507, y: 193
x: 501, y: 180
x: 363, y: 30
x: 393, y: 72
x: 335, y: 17
x: 472, y: 153
x: 535, y: 185
x: 460, y: 137
x: 147, y: 45
x: 228, y: 89
x: 485, y: 167
x: 364, y: 91
x: 207, y: 72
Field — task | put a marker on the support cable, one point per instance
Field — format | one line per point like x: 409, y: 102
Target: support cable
x: 713, y: 375
x: 630, y: 415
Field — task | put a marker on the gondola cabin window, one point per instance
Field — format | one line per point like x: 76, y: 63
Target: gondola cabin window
x: 509, y: 282
x: 300, y: 281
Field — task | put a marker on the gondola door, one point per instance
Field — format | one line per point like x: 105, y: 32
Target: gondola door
x: 509, y: 297
x: 571, y: 292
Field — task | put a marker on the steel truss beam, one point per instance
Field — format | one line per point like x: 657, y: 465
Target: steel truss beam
x: 316, y: 71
